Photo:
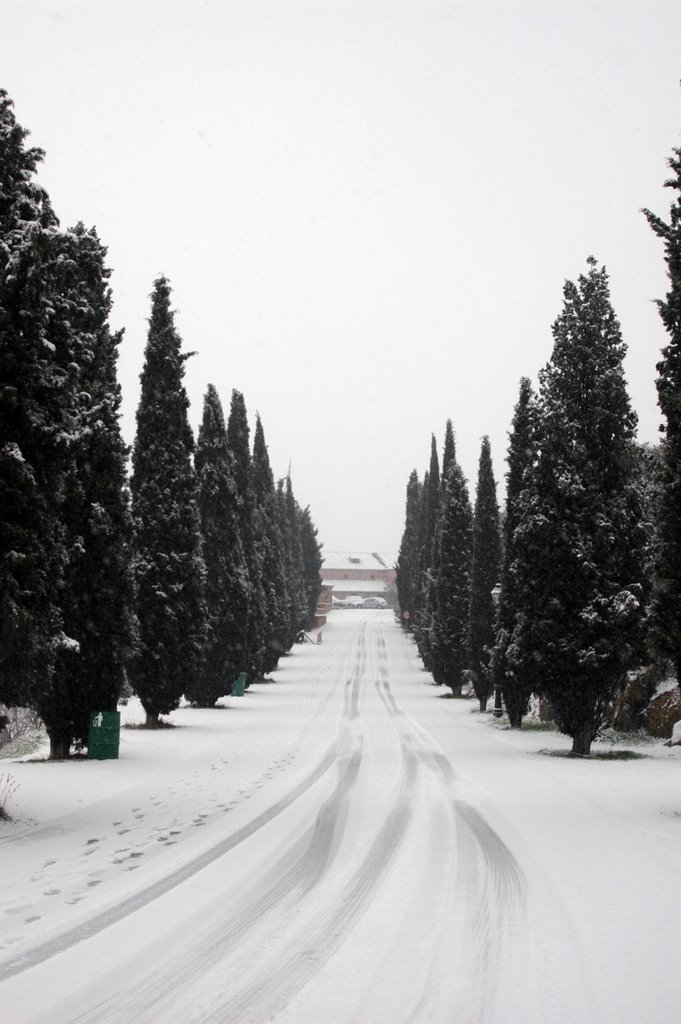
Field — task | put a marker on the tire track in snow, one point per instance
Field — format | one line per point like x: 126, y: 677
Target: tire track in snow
x: 283, y: 887
x: 271, y: 990
x: 87, y: 929
x: 496, y: 888
x: 269, y: 994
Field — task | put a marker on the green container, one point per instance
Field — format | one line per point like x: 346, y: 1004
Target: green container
x: 104, y: 735
x: 239, y: 685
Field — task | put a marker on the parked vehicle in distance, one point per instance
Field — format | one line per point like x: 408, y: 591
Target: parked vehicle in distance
x: 353, y: 602
x: 374, y: 602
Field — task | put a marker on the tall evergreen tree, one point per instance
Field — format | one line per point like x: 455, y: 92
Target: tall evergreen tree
x: 96, y: 595
x: 226, y: 570
x: 417, y: 588
x: 311, y: 552
x: 452, y: 581
x: 293, y: 560
x: 238, y: 435
x: 448, y: 453
x: 579, y: 627
x: 34, y: 415
x: 666, y: 608
x: 408, y: 553
x: 274, y: 581
x: 169, y: 570
x: 521, y: 458
x: 431, y: 507
x: 485, y: 569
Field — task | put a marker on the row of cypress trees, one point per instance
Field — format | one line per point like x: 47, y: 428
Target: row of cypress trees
x: 210, y: 570
x: 226, y: 564
x: 448, y: 565
x: 588, y: 563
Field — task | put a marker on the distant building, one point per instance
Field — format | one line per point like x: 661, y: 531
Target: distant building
x: 360, y: 575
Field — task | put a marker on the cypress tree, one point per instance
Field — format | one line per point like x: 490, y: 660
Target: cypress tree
x: 521, y: 459
x: 238, y: 435
x: 408, y: 553
x: 226, y: 591
x: 34, y: 411
x: 417, y: 577
x: 452, y: 581
x: 665, y: 634
x: 579, y: 627
x: 431, y: 495
x: 448, y: 453
x: 274, y: 582
x: 485, y: 568
x: 96, y: 595
x: 169, y: 570
x: 293, y: 560
x: 311, y: 551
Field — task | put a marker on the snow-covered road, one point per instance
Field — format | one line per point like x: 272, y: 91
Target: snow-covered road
x: 342, y: 846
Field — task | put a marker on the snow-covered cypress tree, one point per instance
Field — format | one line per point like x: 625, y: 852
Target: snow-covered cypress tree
x: 311, y: 552
x: 293, y: 560
x: 431, y: 503
x: 408, y: 553
x: 665, y: 631
x: 448, y: 453
x: 579, y: 626
x: 226, y: 570
x: 274, y: 582
x: 485, y: 569
x: 96, y: 595
x: 33, y: 413
x: 452, y: 582
x: 238, y: 435
x: 169, y: 570
x: 516, y: 687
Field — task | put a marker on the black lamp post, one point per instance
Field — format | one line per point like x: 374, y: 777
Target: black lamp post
x: 496, y: 599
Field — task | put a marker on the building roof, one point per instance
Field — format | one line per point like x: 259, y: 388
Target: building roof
x: 374, y: 561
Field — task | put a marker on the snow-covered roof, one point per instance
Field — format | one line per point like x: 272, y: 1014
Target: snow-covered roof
x: 373, y: 560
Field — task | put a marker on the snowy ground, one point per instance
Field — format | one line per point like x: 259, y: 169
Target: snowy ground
x: 342, y: 845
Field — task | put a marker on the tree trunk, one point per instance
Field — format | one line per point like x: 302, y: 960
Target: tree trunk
x: 483, y: 703
x: 456, y: 689
x: 152, y: 721
x: 60, y: 748
x: 581, y: 742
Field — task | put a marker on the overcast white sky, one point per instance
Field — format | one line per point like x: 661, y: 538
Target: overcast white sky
x: 366, y: 210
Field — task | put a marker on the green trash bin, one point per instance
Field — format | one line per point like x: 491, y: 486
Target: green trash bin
x: 239, y: 685
x: 104, y: 735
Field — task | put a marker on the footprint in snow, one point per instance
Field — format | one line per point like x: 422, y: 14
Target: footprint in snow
x: 29, y: 920
x: 51, y: 892
x: 95, y: 881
